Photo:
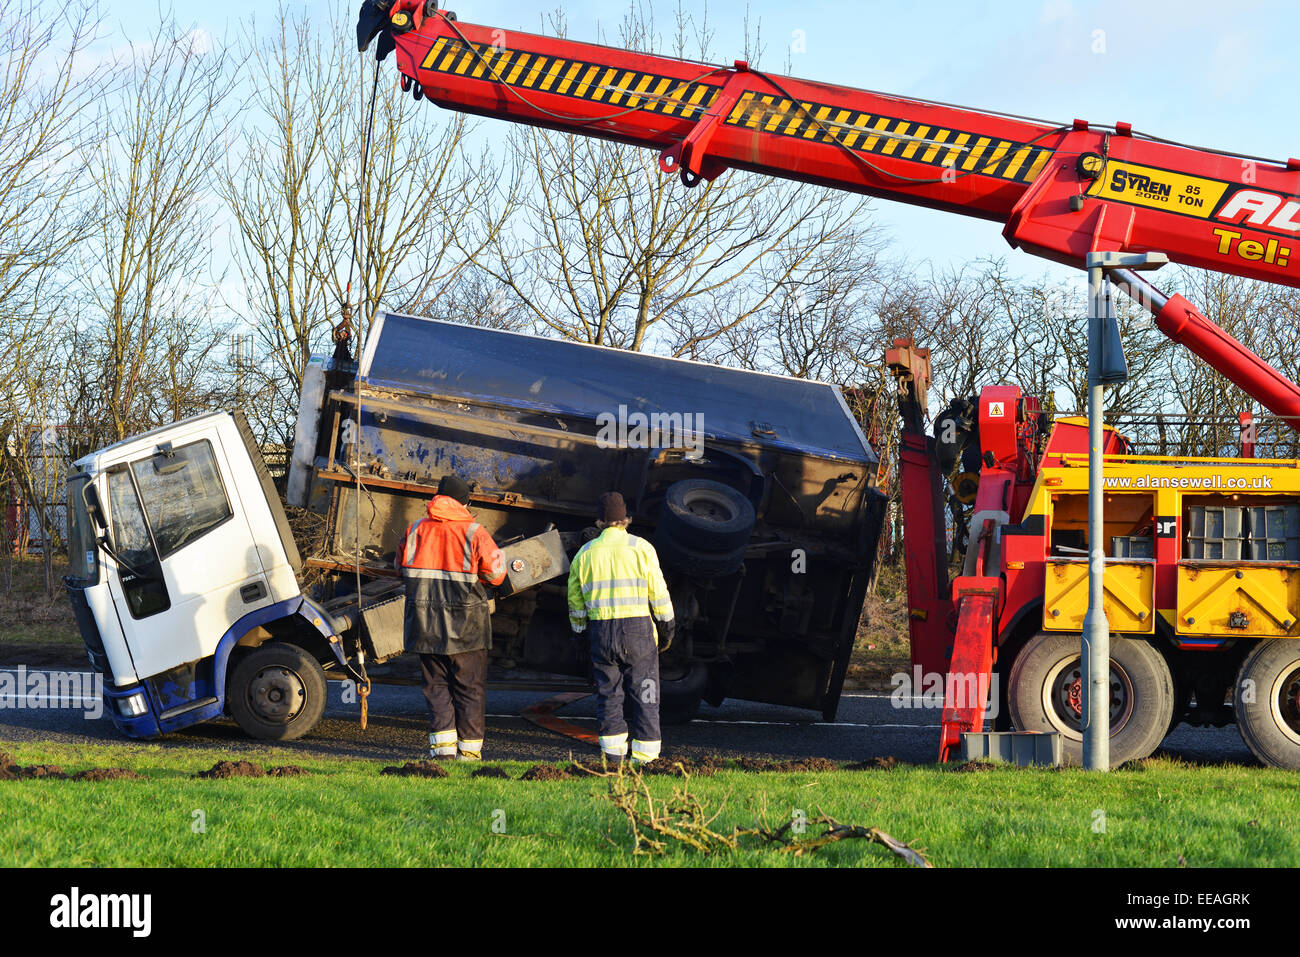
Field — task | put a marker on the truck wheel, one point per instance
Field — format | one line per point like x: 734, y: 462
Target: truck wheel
x: 706, y: 515
x: 277, y: 692
x: 680, y: 693
x: 1266, y: 701
x: 695, y: 561
x: 1046, y: 686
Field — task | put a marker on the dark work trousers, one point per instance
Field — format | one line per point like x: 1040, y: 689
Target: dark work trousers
x: 625, y: 662
x: 455, y: 687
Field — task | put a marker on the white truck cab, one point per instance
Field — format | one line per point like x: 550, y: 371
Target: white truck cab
x: 182, y: 565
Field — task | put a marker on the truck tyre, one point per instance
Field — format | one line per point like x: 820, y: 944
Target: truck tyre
x: 1045, y: 689
x: 277, y: 692
x: 1266, y: 701
x: 694, y: 561
x: 706, y: 515
x: 680, y: 693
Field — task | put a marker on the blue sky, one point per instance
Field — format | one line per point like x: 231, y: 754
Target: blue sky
x: 1209, y: 73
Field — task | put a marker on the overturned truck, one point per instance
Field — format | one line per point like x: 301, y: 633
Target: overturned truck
x: 758, y: 491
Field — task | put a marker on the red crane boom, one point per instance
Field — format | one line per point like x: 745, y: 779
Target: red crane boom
x: 1061, y: 191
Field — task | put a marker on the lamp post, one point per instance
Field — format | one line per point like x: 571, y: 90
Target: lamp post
x: 1106, y: 366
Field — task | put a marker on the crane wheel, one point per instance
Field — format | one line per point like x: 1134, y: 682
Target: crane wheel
x: 1266, y: 700
x: 1045, y: 694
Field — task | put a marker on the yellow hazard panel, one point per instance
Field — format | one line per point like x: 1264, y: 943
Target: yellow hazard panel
x: 1158, y: 188
x: 1129, y: 590
x: 1237, y: 601
x: 889, y: 136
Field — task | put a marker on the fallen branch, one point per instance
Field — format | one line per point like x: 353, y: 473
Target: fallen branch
x: 835, y: 831
x: 684, y: 818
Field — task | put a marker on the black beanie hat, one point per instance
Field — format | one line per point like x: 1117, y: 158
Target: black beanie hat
x: 612, y: 508
x: 455, y: 487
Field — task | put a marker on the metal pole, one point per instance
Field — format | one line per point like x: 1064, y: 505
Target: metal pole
x: 1095, y: 643
x: 1096, y: 629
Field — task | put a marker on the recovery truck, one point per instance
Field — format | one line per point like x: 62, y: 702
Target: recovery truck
x: 757, y: 490
x: 1203, y: 586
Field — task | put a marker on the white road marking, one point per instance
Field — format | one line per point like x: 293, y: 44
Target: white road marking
x: 740, y: 721
x: 38, y: 699
x: 808, y: 724
x: 770, y: 724
x: 54, y: 698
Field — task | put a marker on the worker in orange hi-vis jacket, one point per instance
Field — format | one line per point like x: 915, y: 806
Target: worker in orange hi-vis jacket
x: 448, y: 560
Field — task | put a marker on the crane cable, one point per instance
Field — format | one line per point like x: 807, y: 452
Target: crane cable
x: 363, y: 686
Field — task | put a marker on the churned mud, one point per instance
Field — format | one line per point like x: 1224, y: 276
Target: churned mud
x: 232, y: 769
x: 802, y: 764
x: 9, y: 771
x: 704, y: 767
x: 287, y: 771
x: 887, y: 763
x: 544, y: 772
x: 417, y: 769
x: 974, y: 767
x: 490, y: 771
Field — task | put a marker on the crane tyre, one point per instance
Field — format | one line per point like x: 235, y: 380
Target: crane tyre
x: 1045, y: 687
x: 1266, y: 700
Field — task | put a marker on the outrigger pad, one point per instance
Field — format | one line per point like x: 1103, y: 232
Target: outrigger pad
x: 372, y: 20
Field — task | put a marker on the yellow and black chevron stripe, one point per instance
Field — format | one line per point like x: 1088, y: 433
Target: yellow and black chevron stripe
x: 627, y: 89
x: 940, y: 147
x: 890, y: 136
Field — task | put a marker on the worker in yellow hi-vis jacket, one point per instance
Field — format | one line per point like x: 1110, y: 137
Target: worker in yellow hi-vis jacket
x: 615, y: 589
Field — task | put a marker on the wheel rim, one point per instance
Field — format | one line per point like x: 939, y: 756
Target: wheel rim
x: 1063, y: 697
x: 277, y: 694
x: 1284, y: 698
x: 709, y: 506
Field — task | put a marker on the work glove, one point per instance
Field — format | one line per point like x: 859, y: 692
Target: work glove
x: 666, y: 633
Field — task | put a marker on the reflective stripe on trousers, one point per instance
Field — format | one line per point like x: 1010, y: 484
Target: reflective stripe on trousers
x: 442, y: 743
x: 614, y: 745
x: 644, y: 751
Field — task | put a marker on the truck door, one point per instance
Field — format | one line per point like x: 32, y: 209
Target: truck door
x: 187, y: 564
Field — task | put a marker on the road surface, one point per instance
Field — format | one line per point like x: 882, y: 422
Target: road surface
x: 870, y: 724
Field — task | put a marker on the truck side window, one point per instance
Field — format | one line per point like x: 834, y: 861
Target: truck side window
x: 182, y: 494
x: 146, y: 594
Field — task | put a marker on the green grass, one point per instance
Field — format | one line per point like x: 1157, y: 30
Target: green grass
x: 28, y: 616
x: 345, y: 813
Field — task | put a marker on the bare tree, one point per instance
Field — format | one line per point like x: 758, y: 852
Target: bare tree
x: 332, y: 209
x: 608, y: 250
x: 147, y: 291
x: 42, y: 46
